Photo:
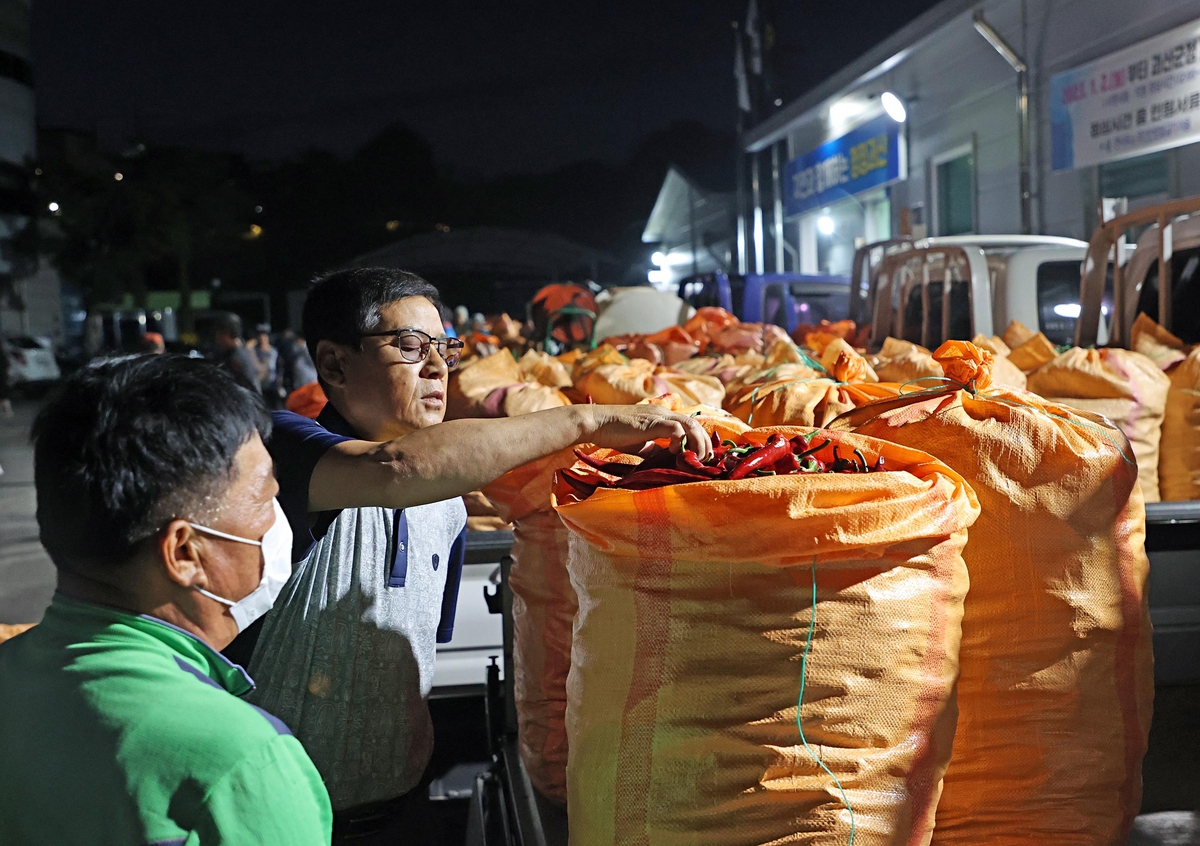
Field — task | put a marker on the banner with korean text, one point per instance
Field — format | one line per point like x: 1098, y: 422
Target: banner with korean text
x: 867, y: 157
x: 1138, y: 100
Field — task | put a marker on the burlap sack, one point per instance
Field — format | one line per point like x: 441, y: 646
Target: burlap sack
x: 635, y: 380
x: 545, y: 369
x: 1121, y: 385
x: 693, y: 648
x: 1017, y: 333
x: 470, y: 385
x: 1057, y: 678
x: 1034, y: 353
x: 903, y: 361
x: 803, y: 402
x: 1004, y: 372
x: 1179, y: 449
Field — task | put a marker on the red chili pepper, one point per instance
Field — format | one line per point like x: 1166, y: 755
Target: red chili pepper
x: 579, y: 482
x: 762, y: 458
x: 787, y: 465
x: 810, y: 451
x: 688, y: 462
x: 612, y: 468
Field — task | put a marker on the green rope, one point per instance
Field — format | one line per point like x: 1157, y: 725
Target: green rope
x: 812, y: 622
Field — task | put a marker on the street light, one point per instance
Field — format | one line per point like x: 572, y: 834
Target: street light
x: 894, y: 106
x: 658, y: 257
x: 53, y: 208
x: 825, y: 224
x: 118, y: 176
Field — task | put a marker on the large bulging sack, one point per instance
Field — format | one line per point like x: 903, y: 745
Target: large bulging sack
x: 1057, y: 680
x: 475, y: 380
x: 637, y: 379
x: 543, y: 612
x: 544, y: 605
x: 699, y: 644
x: 1179, y: 449
x: 1126, y: 387
x: 802, y: 402
x: 904, y: 361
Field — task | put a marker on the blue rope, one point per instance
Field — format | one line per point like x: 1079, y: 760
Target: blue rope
x: 812, y: 622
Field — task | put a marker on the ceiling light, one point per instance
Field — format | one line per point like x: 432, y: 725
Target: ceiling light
x: 894, y: 106
x: 825, y: 225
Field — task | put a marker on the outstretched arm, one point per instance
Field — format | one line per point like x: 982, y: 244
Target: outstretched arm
x: 453, y: 458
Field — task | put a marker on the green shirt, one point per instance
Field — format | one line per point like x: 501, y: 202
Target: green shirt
x: 123, y: 729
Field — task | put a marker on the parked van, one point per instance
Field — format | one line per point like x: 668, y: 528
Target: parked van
x: 784, y: 299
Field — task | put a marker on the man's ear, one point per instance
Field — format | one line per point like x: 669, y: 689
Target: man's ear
x: 179, y: 549
x: 331, y: 363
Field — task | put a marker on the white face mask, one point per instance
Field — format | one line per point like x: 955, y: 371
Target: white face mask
x: 277, y: 569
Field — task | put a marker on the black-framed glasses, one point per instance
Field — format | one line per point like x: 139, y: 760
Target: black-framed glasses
x: 414, y: 345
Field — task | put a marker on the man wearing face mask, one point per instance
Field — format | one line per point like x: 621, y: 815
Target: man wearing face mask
x: 120, y: 721
x: 372, y: 489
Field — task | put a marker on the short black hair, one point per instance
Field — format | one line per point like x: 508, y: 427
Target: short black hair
x: 128, y: 444
x: 230, y: 322
x: 342, y: 305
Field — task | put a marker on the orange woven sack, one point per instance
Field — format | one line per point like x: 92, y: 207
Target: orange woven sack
x: 803, y: 402
x: 542, y: 614
x: 545, y: 369
x: 904, y: 361
x: 715, y: 615
x: 1179, y: 450
x: 544, y: 606
x: 1126, y: 387
x: 637, y: 379
x: 1032, y: 354
x: 1005, y: 374
x: 307, y: 400
x: 1057, y: 678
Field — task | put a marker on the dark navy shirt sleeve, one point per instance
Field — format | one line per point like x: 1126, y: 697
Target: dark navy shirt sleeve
x: 458, y: 554
x: 296, y: 445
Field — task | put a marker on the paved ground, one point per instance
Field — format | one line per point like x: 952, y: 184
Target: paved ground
x: 26, y: 574
x: 1171, y: 770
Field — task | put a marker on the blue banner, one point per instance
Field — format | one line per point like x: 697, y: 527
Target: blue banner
x: 868, y: 157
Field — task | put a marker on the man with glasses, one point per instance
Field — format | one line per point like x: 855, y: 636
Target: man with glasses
x: 372, y: 490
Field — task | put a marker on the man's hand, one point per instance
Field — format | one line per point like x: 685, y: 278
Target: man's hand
x: 630, y: 426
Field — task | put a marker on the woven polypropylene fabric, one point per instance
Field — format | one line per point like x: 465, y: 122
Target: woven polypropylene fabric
x: 1057, y: 681
x: 694, y: 604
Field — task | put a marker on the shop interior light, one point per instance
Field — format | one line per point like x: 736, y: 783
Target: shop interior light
x: 845, y: 110
x: 894, y: 106
x: 659, y: 258
x: 658, y: 277
x: 825, y: 225
x: 1067, y: 309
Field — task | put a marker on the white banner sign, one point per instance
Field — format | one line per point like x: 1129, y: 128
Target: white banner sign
x: 1138, y: 100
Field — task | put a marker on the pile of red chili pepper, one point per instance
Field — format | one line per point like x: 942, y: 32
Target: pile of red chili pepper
x: 730, y: 461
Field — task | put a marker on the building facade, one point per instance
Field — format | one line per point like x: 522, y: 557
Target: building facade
x: 1000, y: 117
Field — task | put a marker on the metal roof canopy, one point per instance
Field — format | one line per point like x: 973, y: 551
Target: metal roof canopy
x: 871, y: 65
x: 497, y: 250
x: 681, y: 203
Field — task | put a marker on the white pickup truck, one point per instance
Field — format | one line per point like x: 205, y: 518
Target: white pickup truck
x: 934, y: 289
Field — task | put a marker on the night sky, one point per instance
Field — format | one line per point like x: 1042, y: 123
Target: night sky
x: 495, y: 87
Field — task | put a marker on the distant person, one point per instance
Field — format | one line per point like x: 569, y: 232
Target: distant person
x: 372, y: 488
x: 232, y: 353
x: 304, y: 372
x: 268, y: 366
x: 6, y: 409
x: 462, y: 321
x: 120, y: 721
x: 153, y: 343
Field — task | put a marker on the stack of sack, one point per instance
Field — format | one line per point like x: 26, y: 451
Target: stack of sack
x: 766, y: 660
x: 496, y: 386
x: 1179, y: 449
x: 1057, y: 682
x: 609, y: 378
